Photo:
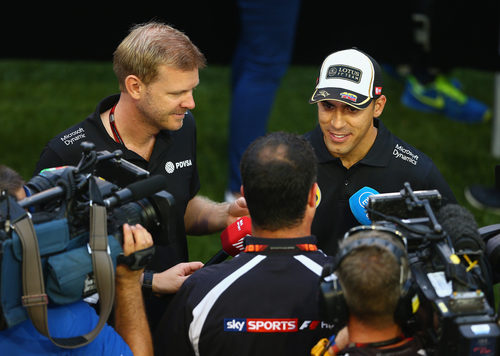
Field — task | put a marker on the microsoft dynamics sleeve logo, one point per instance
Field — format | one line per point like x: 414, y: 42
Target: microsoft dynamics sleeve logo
x: 261, y: 325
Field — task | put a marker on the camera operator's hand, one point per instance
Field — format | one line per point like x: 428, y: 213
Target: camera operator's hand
x: 135, y: 238
x: 130, y: 317
x: 170, y: 280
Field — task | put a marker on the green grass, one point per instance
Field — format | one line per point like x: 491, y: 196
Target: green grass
x: 40, y: 99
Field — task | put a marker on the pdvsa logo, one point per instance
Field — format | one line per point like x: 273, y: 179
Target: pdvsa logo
x: 170, y: 167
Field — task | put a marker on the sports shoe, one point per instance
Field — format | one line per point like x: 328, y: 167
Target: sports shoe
x: 483, y: 198
x: 444, y: 97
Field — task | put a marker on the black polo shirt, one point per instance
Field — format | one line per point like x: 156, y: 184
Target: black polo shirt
x: 173, y: 156
x: 388, y: 164
x: 258, y: 303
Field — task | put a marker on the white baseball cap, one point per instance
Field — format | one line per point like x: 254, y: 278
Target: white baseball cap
x: 349, y: 76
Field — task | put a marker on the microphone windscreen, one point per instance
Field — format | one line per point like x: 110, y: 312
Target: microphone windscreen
x: 232, y: 237
x: 493, y: 253
x: 358, y: 202
x: 147, y: 187
x: 460, y: 224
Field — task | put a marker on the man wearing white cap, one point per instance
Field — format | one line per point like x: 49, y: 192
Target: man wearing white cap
x: 355, y: 150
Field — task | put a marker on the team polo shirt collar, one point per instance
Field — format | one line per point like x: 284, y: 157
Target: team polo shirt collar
x: 270, y: 245
x: 107, y: 103
x: 376, y: 156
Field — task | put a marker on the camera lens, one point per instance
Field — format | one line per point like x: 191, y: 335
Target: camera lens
x: 139, y: 212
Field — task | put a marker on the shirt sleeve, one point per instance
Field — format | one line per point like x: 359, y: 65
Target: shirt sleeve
x: 48, y: 159
x: 437, y: 181
x: 195, y: 185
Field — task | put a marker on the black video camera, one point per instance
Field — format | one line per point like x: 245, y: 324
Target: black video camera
x: 64, y: 191
x: 68, y: 244
x: 450, y: 268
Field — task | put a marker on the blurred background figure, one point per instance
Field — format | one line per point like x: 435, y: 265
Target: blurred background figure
x: 485, y: 197
x: 261, y: 58
x: 428, y: 87
x: 12, y: 182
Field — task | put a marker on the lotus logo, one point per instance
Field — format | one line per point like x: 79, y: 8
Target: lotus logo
x: 331, y: 72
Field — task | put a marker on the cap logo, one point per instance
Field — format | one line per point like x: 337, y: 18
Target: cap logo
x: 322, y: 93
x: 344, y: 72
x: 349, y: 96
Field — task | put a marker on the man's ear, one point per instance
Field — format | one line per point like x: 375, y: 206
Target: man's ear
x: 134, y: 86
x: 379, y: 106
x: 311, y: 199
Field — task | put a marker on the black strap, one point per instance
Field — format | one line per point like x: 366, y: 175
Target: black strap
x: 379, y: 344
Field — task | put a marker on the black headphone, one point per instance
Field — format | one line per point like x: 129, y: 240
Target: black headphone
x: 333, y: 305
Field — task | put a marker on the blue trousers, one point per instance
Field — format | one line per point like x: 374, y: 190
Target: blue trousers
x: 262, y: 56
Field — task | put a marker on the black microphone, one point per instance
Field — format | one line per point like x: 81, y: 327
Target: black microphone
x: 462, y: 228
x: 493, y: 253
x: 137, y: 190
x: 219, y: 257
x: 460, y: 224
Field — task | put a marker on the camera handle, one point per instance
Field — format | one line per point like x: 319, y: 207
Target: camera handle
x: 137, y: 260
x: 413, y: 201
x: 89, y: 158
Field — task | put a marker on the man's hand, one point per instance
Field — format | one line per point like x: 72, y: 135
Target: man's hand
x: 204, y: 216
x: 130, y: 316
x: 237, y: 209
x: 135, y: 238
x: 170, y: 280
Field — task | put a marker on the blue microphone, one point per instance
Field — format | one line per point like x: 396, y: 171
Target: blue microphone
x: 358, y: 202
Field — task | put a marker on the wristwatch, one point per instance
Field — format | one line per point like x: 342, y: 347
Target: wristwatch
x: 147, y: 281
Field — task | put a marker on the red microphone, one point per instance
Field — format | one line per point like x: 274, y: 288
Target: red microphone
x: 232, y: 239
